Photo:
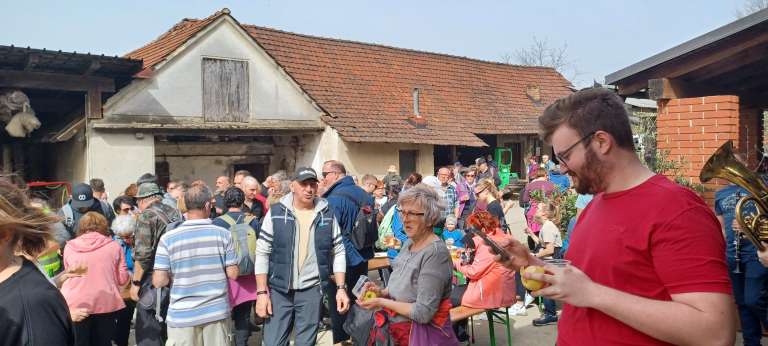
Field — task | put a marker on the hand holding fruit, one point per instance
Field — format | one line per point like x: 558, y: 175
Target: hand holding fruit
x: 567, y: 284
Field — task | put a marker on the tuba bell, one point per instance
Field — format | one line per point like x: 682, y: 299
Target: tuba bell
x: 724, y: 165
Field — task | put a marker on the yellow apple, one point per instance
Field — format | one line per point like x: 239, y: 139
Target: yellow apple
x: 533, y: 285
x: 369, y: 295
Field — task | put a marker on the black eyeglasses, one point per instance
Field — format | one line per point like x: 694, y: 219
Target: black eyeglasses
x: 325, y: 174
x: 563, y: 155
x: 477, y: 193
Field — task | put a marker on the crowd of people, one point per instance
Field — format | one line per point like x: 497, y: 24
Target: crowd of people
x: 197, y: 265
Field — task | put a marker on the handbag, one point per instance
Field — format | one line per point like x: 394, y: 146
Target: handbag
x: 358, y: 324
x: 154, y: 299
x: 428, y: 334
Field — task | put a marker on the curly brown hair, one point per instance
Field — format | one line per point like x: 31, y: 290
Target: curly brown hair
x: 28, y: 226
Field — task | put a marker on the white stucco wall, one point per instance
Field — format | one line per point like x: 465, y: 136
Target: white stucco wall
x: 176, y: 87
x: 119, y: 159
x: 363, y: 158
x: 70, y: 159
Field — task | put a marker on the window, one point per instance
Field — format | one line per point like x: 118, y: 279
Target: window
x: 225, y: 90
x: 416, y: 102
x: 407, y: 162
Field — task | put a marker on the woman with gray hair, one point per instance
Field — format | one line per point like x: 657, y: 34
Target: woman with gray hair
x: 417, y: 297
x: 124, y: 226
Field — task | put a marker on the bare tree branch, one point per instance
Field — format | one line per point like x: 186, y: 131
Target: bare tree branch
x: 539, y: 53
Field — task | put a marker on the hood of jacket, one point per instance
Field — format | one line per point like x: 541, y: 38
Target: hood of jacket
x: 89, y: 242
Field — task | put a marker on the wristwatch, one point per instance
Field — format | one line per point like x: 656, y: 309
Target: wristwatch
x: 341, y: 287
x: 258, y: 293
x: 136, y: 282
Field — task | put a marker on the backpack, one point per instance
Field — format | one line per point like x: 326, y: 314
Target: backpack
x: 69, y: 216
x: 245, y: 242
x: 365, y: 230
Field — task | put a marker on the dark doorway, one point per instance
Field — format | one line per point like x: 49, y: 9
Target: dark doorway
x: 407, y: 162
x: 258, y: 170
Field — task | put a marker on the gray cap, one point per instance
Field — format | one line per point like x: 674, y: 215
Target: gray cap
x: 148, y: 190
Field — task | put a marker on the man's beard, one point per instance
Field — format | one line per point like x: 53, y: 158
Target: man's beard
x: 591, y: 179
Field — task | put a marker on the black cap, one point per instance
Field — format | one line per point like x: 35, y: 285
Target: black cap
x: 304, y: 174
x: 82, y: 196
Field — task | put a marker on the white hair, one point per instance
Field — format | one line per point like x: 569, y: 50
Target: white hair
x: 124, y: 225
x: 249, y: 180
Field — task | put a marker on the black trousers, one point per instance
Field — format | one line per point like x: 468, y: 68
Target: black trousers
x: 337, y: 319
x: 96, y: 330
x: 241, y: 316
x: 123, y: 327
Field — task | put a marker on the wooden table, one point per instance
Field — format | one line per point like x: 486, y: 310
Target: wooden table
x: 378, y: 263
x: 381, y: 265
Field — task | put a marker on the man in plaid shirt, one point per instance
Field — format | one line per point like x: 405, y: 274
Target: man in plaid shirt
x: 449, y: 192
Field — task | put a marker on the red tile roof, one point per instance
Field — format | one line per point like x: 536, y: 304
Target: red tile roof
x: 367, y: 89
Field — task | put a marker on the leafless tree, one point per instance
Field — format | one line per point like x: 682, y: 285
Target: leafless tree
x: 751, y: 6
x: 540, y: 53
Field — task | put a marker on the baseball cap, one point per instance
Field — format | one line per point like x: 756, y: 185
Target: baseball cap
x: 148, y: 190
x: 82, y: 196
x: 305, y: 173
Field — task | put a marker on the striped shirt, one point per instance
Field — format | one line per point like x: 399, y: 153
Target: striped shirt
x: 196, y: 254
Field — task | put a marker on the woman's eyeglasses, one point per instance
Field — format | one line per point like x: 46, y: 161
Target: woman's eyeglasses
x: 406, y: 213
x: 477, y: 193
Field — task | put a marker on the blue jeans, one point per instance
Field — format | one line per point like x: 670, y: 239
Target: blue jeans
x: 550, y: 308
x: 749, y: 288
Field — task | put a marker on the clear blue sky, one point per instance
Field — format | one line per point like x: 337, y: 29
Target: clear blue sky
x: 601, y: 36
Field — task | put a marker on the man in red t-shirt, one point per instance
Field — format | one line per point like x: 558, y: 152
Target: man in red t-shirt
x: 647, y: 260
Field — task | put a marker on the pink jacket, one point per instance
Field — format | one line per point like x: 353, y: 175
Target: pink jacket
x: 98, y: 290
x: 491, y: 285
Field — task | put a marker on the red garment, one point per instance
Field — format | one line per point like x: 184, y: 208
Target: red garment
x: 654, y: 240
x: 401, y: 331
x: 263, y: 201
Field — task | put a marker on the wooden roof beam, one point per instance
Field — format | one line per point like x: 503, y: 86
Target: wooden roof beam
x: 54, y: 81
x: 694, y: 61
x: 667, y: 88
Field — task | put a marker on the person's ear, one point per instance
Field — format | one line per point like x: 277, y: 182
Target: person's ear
x: 605, y: 142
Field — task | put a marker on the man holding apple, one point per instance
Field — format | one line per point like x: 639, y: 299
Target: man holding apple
x: 647, y: 262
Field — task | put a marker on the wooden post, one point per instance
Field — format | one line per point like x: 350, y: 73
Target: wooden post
x: 93, y: 104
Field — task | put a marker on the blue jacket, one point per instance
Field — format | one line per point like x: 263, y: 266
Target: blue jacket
x: 560, y: 180
x: 338, y: 196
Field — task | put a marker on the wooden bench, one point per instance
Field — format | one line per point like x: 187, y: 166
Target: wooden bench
x: 464, y: 312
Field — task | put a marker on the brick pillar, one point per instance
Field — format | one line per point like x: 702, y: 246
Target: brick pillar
x: 693, y: 128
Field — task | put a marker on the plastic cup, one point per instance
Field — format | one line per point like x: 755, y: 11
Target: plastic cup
x: 560, y: 263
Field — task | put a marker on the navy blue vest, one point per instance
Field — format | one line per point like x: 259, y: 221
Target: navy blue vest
x: 281, y: 260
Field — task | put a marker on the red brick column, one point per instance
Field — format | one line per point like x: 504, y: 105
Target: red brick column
x: 693, y: 128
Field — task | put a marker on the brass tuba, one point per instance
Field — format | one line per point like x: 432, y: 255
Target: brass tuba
x: 723, y: 164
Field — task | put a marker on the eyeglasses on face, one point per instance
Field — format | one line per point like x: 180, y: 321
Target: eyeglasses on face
x: 407, y: 213
x: 565, y: 154
x: 477, y: 193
